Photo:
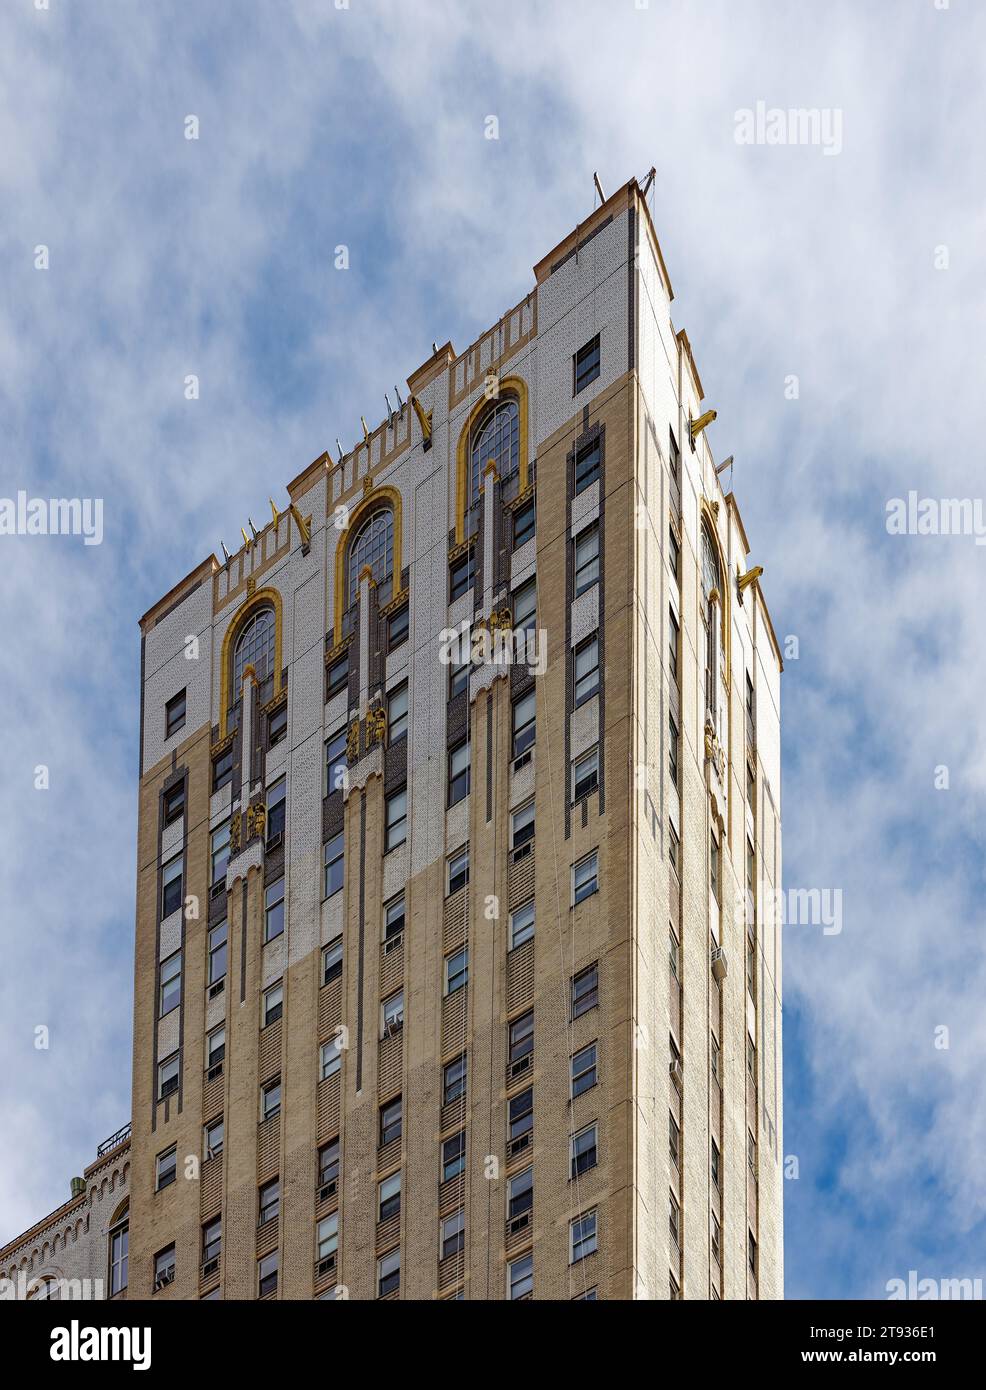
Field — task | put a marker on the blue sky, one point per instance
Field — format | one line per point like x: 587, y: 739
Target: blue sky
x: 364, y: 126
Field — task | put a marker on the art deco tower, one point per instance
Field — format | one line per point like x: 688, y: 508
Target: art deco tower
x: 450, y: 978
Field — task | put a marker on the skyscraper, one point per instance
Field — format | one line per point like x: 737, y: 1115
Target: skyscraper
x: 459, y: 813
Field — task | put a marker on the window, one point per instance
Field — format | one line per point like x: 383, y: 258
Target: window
x: 751, y: 967
x: 267, y: 1275
x: 585, y: 877
x: 674, y: 1140
x: 392, y: 1014
x: 214, y: 1134
x: 585, y: 775
x: 164, y: 1268
x: 520, y: 1037
x: 254, y: 647
x: 328, y: 1163
x: 327, y: 1235
x: 584, y: 1070
x: 277, y: 725
x: 212, y: 1240
x: 585, y: 990
x: 329, y: 1058
x: 673, y: 640
x: 219, y: 854
x: 171, y: 886
x: 460, y: 666
x: 586, y: 559
x: 274, y: 910
x: 590, y: 1296
x: 396, y: 831
x: 586, y: 466
x: 714, y: 1061
x: 524, y: 522
x: 452, y: 1235
x: 222, y: 769
x: 716, y: 1235
x: 583, y: 1151
x: 582, y: 1237
x: 397, y: 628
x: 167, y: 1077
x: 520, y: 1278
x: 586, y: 670
x: 520, y: 1194
x: 714, y: 865
x: 459, y: 768
x: 714, y: 1164
x: 674, y: 954
x: 462, y: 573
x: 215, y: 1050
x: 276, y: 806
x: 174, y: 714
x: 522, y: 925
x: 457, y: 970
x: 674, y: 1220
x: 454, y: 1079
x: 332, y: 961
x: 672, y: 750
x: 388, y: 1273
x: 674, y: 851
x: 520, y: 1117
x: 674, y: 454
x: 751, y: 1059
x: 174, y: 804
x: 454, y: 1156
x: 525, y: 606
x: 337, y: 677
x: 166, y: 1169
x: 336, y: 763
x: 496, y: 441
x: 333, y: 864
x: 270, y: 1099
x: 674, y: 555
x: 522, y: 832
x: 391, y: 1121
x: 397, y: 713
x: 393, y: 919
x: 169, y: 994
x: 586, y: 364
x: 751, y: 1152
x: 711, y: 588
x: 373, y: 547
x: 458, y: 870
x: 269, y: 1201
x: 217, y: 953
x: 752, y: 1252
x: 273, y: 1004
x: 119, y: 1257
x: 523, y: 729
x: 389, y: 1198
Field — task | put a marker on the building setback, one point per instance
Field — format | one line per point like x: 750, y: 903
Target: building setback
x: 450, y: 977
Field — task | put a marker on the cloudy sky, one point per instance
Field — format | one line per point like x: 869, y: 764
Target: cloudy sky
x: 854, y: 272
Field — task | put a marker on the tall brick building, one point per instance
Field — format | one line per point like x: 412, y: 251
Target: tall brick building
x: 450, y: 975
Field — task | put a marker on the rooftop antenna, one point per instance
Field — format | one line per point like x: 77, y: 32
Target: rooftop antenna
x: 253, y: 529
x: 726, y: 463
x: 651, y: 172
x: 399, y: 401
x: 599, y: 188
x: 339, y: 447
x: 226, y: 555
x: 390, y: 409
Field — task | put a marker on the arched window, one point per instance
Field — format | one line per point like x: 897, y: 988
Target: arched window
x: 254, y: 647
x: 711, y: 583
x: 119, y: 1253
x: 497, y: 437
x: 373, y: 545
x: 45, y: 1290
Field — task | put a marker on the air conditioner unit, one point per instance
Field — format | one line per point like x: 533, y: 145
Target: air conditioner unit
x: 210, y: 1267
x: 395, y: 1026
x: 326, y: 1266
x: 675, y: 1069
x: 275, y: 841
x: 519, y: 1223
x: 518, y: 1145
x: 163, y: 1280
x: 217, y: 888
x: 522, y: 851
x: 217, y: 988
x: 215, y: 1070
x: 392, y: 943
x: 718, y: 963
x: 521, y: 1065
x: 328, y: 1190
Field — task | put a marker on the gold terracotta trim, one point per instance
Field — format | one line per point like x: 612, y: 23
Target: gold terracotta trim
x: 372, y: 501
x: 263, y: 598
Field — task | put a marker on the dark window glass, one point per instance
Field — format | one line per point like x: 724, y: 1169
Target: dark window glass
x: 174, y: 714
x: 586, y: 364
x: 174, y: 804
x: 337, y: 677
x: 586, y: 466
x: 524, y: 523
x: 222, y: 769
x: 462, y: 573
